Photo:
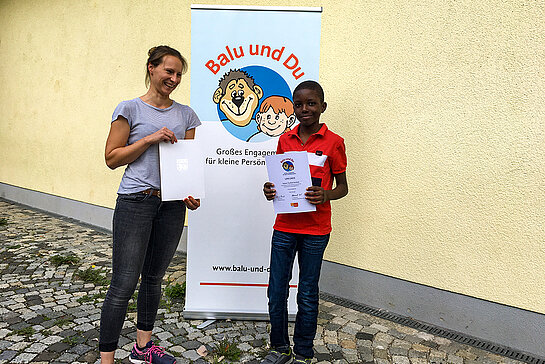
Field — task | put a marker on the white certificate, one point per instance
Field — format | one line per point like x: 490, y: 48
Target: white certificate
x: 182, y: 170
x: 290, y: 173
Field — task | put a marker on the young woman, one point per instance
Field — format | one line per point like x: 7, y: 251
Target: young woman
x: 146, y: 231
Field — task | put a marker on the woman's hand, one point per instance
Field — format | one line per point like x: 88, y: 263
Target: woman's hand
x: 192, y: 203
x: 269, y: 191
x: 162, y: 135
x: 118, y: 153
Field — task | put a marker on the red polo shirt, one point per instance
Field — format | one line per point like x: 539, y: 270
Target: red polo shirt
x: 326, y: 156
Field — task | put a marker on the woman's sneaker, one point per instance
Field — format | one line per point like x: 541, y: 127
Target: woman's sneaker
x: 278, y: 357
x: 151, y: 354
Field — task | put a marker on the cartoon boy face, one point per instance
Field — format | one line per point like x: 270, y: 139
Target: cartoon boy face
x: 274, y: 124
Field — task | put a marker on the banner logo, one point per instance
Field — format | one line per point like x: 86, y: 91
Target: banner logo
x: 254, y: 103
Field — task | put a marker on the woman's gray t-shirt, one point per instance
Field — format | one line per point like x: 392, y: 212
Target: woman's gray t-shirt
x: 144, y: 119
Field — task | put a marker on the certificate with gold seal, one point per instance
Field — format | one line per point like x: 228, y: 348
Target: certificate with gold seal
x: 290, y: 173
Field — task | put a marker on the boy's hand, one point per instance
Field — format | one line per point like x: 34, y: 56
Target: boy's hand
x: 192, y: 203
x: 316, y: 195
x: 269, y: 191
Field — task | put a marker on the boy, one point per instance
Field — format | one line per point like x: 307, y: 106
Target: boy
x: 306, y: 233
x: 275, y: 117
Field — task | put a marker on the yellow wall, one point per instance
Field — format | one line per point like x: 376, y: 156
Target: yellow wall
x: 443, y: 107
x: 441, y: 103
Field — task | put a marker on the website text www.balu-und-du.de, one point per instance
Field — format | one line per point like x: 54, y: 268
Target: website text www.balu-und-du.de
x: 240, y: 268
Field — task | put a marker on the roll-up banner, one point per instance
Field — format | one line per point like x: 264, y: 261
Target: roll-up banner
x: 245, y: 63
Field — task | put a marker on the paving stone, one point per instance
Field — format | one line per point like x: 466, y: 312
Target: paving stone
x: 19, y: 346
x: 67, y: 358
x: 385, y: 338
x: 19, y: 325
x: 380, y: 345
x: 419, y: 361
x: 190, y: 345
x: 453, y: 359
x: 365, y: 336
x: 35, y: 293
x: 430, y: 344
x: 191, y: 355
x: 379, y: 327
x: 7, y: 355
x: 36, y: 348
x: 380, y: 354
x: 437, y: 354
x: 416, y: 354
x: 397, y: 351
x: 351, y: 328
x: 397, y: 343
x: 366, y: 357
x: 397, y: 334
x: 24, y: 358
x: 323, y: 357
x: 121, y: 354
x: 59, y: 347
x: 80, y: 349
x: 91, y: 334
x: 51, y: 340
x: 400, y: 360
x: 46, y: 356
x: 332, y: 327
x: 348, y: 344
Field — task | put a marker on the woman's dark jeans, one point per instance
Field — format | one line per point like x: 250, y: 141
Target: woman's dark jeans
x: 310, y: 251
x: 146, y: 233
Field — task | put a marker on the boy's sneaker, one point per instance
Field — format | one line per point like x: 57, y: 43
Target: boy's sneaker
x: 278, y: 357
x: 301, y: 360
x: 151, y: 354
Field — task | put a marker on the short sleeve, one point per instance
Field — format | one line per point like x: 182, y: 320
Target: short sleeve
x: 192, y: 120
x: 123, y: 109
x: 279, y: 149
x: 339, y: 160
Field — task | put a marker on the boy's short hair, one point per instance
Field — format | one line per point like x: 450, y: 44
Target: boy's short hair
x: 310, y: 85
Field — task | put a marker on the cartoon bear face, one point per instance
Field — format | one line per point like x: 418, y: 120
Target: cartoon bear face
x: 238, y: 97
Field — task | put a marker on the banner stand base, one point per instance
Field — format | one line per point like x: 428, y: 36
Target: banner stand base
x: 246, y: 316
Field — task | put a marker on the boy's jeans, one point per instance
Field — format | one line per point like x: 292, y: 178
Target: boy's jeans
x: 146, y: 233
x: 310, y: 250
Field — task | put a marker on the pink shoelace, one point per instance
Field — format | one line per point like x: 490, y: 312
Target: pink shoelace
x: 160, y: 351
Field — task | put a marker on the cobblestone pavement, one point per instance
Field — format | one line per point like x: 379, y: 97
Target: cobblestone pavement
x: 50, y: 313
